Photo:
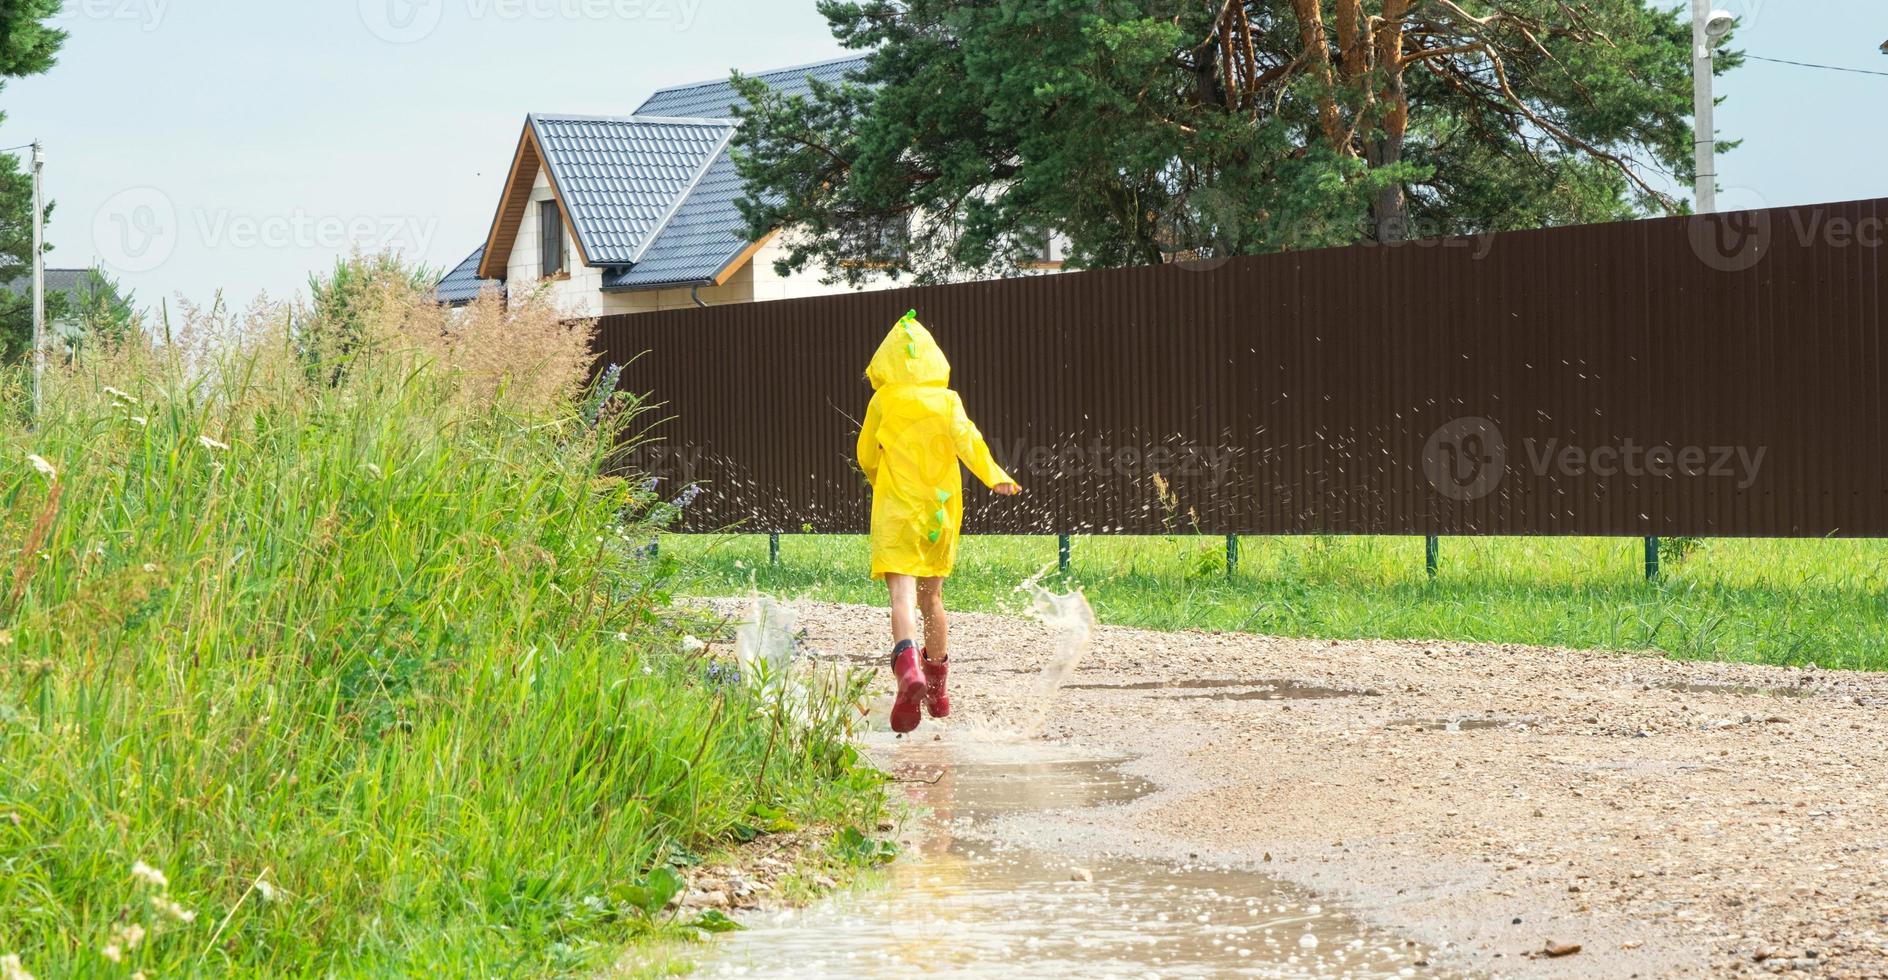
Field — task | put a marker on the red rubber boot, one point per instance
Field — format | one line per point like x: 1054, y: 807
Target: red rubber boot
x: 908, y: 709
x: 936, y: 699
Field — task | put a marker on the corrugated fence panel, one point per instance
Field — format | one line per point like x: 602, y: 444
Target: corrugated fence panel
x: 1719, y: 375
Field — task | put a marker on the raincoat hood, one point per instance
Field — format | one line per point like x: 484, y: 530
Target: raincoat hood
x: 909, y: 356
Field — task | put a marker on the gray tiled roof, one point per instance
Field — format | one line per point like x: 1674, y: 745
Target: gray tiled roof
x: 74, y: 283
x: 716, y: 98
x: 463, y: 285
x: 621, y: 178
x: 706, y: 233
x: 652, y: 197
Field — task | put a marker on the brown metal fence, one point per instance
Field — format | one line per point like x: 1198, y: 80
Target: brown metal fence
x: 1718, y: 376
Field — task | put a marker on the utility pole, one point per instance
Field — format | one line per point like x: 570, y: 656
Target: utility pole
x: 1704, y: 137
x: 39, y: 275
x: 1708, y: 27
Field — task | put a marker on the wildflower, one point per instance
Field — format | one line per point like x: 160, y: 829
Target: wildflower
x: 6, y: 638
x: 115, y: 393
x: 693, y: 644
x: 12, y: 969
x: 141, y: 420
x: 111, y: 952
x: 375, y: 470
x: 622, y: 637
x: 209, y: 443
x: 128, y: 936
x: 149, y: 875
x: 148, y: 567
x: 266, y: 891
x: 45, y: 468
x: 163, y: 904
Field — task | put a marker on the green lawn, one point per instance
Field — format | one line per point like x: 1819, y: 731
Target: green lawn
x: 1778, y: 602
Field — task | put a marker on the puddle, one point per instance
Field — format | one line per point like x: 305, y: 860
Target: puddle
x: 1260, y: 689
x: 960, y: 903
x: 1457, y: 724
x: 1741, y: 689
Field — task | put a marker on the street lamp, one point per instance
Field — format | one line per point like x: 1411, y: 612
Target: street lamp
x: 1708, y: 27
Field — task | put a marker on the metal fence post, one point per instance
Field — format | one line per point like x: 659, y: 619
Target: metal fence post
x: 1432, y: 554
x: 1232, y: 554
x: 1651, y: 559
x: 773, y: 548
x: 1062, y: 546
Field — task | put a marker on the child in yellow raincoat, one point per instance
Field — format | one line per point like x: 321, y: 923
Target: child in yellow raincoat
x: 914, y: 435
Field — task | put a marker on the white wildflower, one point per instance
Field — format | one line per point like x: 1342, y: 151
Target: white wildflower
x: 209, y: 443
x: 127, y: 936
x: 115, y: 393
x: 163, y: 904
x: 138, y: 975
x: 693, y: 644
x: 149, y: 875
x: 45, y: 468
x: 112, y: 953
x: 266, y: 891
x: 148, y: 567
x: 375, y: 470
x: 622, y: 637
x: 141, y: 420
x: 12, y: 969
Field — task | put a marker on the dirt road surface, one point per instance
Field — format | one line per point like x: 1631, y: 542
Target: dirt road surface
x: 1669, y: 818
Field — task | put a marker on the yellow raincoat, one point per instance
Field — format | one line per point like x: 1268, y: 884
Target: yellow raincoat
x: 915, y: 432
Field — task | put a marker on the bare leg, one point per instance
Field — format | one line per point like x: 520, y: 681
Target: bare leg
x: 904, y: 593
x: 937, y: 625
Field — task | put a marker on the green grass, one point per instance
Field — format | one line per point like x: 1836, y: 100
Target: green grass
x: 1777, y: 602
x: 372, y: 677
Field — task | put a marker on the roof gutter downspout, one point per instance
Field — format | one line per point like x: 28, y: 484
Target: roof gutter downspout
x: 694, y: 293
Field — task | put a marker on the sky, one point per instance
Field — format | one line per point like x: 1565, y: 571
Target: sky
x: 205, y: 146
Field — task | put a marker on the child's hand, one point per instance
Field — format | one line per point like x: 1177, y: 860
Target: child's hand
x: 1007, y: 489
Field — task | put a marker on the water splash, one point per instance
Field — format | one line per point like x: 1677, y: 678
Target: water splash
x: 1068, y: 615
x: 763, y: 643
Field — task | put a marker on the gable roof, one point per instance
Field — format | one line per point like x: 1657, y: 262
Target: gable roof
x: 621, y: 179
x: 703, y: 240
x: 77, y: 285
x: 616, y: 179
x: 717, y: 98
x: 651, y: 198
x: 463, y: 285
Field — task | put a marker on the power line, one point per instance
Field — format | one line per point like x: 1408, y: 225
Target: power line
x: 1805, y: 64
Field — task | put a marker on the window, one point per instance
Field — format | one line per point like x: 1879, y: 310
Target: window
x: 551, y: 238
x: 1038, y: 247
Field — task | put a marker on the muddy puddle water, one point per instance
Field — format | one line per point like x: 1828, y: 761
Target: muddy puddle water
x: 959, y: 902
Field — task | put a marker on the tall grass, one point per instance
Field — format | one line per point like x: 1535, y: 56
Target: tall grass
x: 358, y: 667
x: 1778, y: 602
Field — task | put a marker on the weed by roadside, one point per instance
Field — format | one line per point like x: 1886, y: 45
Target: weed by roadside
x: 355, y: 672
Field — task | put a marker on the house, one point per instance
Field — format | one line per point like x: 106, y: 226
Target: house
x: 81, y: 288
x: 631, y: 214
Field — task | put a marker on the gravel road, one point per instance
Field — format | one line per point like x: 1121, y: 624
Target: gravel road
x: 1671, y: 818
